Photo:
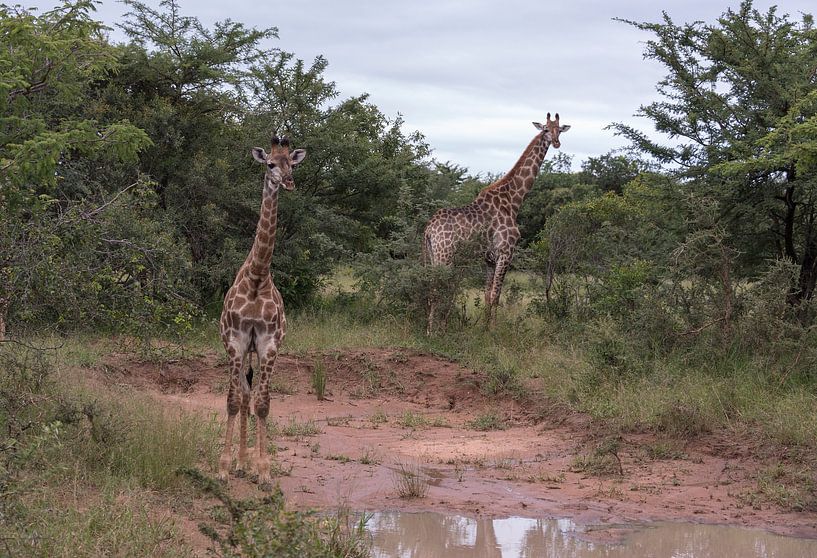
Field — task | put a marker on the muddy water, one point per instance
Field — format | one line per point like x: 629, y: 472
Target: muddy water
x: 431, y: 535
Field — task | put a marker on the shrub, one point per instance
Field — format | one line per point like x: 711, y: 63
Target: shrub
x: 264, y: 527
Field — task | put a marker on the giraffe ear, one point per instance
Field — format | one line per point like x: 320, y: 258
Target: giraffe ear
x: 564, y: 128
x: 297, y: 156
x: 538, y: 126
x: 259, y: 155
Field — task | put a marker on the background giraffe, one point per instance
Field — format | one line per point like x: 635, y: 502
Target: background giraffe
x: 253, y: 320
x: 491, y: 215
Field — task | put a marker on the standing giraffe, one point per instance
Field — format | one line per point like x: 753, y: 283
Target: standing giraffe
x: 491, y: 215
x: 253, y: 320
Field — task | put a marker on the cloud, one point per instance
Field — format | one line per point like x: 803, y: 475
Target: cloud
x: 472, y: 74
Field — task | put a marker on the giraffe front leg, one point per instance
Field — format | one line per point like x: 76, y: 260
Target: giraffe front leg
x: 262, y: 399
x: 490, y: 271
x: 233, y: 404
x: 502, y: 265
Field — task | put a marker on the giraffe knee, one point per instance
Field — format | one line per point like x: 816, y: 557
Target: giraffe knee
x: 262, y: 408
x: 233, y: 405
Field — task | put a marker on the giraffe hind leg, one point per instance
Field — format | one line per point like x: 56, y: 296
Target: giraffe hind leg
x: 502, y: 265
x: 267, y: 357
x: 236, y: 347
x: 246, y: 391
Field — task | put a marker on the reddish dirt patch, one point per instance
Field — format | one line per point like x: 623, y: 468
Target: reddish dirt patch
x: 524, y: 470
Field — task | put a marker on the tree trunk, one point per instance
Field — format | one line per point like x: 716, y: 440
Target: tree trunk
x: 808, y: 271
x: 808, y: 263
x: 788, y: 221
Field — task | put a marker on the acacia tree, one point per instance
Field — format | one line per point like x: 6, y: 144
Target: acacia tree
x: 730, y: 86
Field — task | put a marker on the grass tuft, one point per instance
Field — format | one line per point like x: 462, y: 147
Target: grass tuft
x: 486, y: 422
x: 409, y: 480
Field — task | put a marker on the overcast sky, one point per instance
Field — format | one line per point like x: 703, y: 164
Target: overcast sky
x: 471, y: 75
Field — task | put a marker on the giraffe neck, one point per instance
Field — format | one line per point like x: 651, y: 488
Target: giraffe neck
x: 519, y: 180
x: 260, y: 256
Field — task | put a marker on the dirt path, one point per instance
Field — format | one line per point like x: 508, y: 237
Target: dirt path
x: 391, y: 407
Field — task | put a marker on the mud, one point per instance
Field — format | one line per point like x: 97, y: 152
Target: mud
x: 386, y: 408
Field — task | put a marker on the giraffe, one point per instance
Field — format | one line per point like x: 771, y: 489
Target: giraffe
x: 253, y: 321
x: 492, y: 215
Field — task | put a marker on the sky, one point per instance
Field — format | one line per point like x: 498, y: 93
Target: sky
x: 472, y: 75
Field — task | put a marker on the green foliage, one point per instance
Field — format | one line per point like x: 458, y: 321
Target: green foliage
x: 266, y: 528
x: 596, y: 255
x: 739, y: 102
x: 397, y: 279
x: 130, y: 198
x: 49, y: 66
x: 555, y: 186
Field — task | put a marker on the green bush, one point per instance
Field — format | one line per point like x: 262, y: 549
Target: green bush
x: 264, y: 527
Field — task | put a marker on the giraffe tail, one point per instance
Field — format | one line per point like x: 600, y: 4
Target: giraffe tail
x: 249, y: 376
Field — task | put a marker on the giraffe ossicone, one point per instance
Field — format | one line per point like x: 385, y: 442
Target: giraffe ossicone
x: 490, y: 218
x: 252, y: 319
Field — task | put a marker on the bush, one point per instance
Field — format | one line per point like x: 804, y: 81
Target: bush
x: 398, y: 282
x: 264, y: 527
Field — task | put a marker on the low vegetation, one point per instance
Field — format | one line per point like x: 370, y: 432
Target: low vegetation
x: 69, y: 444
x: 409, y: 480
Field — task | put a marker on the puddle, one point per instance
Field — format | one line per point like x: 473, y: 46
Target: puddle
x: 431, y: 535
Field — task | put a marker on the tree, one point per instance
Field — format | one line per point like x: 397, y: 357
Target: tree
x: 45, y: 71
x: 611, y: 172
x: 730, y: 87
x: 554, y: 187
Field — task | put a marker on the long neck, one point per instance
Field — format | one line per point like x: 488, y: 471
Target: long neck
x: 519, y: 180
x: 260, y: 256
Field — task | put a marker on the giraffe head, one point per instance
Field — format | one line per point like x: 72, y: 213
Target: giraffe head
x: 279, y: 162
x: 551, y: 130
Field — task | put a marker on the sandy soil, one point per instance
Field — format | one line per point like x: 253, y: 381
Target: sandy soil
x: 525, y: 470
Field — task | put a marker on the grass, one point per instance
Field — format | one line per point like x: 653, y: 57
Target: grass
x: 369, y: 457
x: 122, y: 433
x: 379, y: 417
x: 265, y: 527
x: 486, y: 422
x: 117, y: 522
x: 409, y: 480
x: 784, y: 486
x: 294, y: 428
x: 319, y: 380
x: 603, y: 460
x: 412, y: 420
x: 95, y: 464
x: 664, y: 450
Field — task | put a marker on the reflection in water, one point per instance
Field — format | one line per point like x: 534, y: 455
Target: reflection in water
x: 431, y: 535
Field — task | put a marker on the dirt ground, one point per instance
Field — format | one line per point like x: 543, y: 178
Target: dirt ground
x: 387, y: 408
